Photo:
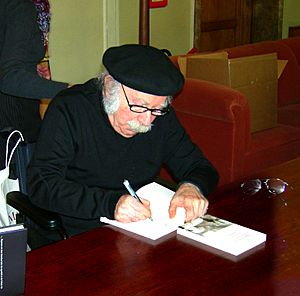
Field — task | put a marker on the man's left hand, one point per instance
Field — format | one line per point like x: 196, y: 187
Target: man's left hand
x: 191, y: 199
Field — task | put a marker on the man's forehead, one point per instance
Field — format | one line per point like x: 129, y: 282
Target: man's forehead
x: 149, y: 99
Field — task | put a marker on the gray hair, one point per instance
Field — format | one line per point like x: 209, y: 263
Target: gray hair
x: 110, y: 93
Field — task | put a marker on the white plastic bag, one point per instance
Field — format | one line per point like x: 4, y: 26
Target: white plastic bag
x: 8, y: 213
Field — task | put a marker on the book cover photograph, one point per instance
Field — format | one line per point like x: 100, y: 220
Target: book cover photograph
x: 221, y: 234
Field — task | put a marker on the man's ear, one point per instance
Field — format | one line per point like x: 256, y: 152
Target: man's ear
x: 107, y: 83
x: 107, y: 78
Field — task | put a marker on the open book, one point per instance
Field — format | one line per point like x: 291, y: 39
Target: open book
x: 223, y: 235
x: 159, y: 197
x: 211, y: 231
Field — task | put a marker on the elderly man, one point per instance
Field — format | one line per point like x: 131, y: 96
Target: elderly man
x: 120, y: 126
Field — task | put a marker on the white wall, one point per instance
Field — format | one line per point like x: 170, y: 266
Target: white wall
x: 76, y: 39
x: 81, y: 31
x: 171, y: 27
x: 291, y: 15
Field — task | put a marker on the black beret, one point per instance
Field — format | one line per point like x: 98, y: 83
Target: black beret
x: 143, y: 68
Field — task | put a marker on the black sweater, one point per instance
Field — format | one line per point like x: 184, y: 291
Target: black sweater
x: 80, y: 161
x: 21, y: 87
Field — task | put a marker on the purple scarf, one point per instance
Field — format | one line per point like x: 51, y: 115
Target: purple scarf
x: 43, y: 18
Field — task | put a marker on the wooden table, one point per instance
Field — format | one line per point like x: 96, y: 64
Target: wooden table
x: 108, y: 262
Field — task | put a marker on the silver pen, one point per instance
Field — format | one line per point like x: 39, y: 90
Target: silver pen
x: 133, y: 193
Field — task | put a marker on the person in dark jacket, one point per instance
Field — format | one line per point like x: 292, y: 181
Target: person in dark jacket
x: 21, y: 87
x: 119, y: 126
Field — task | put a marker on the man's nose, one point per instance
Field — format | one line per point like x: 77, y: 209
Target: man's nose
x: 146, y: 118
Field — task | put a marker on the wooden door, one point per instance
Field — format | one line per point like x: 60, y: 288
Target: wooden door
x: 222, y: 23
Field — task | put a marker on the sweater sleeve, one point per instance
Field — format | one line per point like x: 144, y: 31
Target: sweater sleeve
x: 21, y: 52
x: 48, y: 184
x: 185, y: 159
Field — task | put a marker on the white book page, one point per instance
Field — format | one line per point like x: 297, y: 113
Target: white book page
x: 159, y: 197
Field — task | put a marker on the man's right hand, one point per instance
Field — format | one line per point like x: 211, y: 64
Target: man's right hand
x: 128, y: 209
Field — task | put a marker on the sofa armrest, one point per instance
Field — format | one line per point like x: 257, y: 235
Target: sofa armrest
x: 217, y: 119
x: 201, y: 97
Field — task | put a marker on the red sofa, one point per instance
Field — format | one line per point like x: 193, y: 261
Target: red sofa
x: 217, y: 118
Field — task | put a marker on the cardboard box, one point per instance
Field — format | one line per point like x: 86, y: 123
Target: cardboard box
x: 254, y: 76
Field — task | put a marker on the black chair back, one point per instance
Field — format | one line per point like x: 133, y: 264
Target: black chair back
x: 21, y: 161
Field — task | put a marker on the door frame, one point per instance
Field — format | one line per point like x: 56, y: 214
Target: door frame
x: 111, y: 35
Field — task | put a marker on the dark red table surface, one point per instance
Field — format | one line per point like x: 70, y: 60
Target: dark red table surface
x: 108, y: 261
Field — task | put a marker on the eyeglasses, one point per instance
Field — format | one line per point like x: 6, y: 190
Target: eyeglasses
x: 142, y: 109
x: 274, y: 186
